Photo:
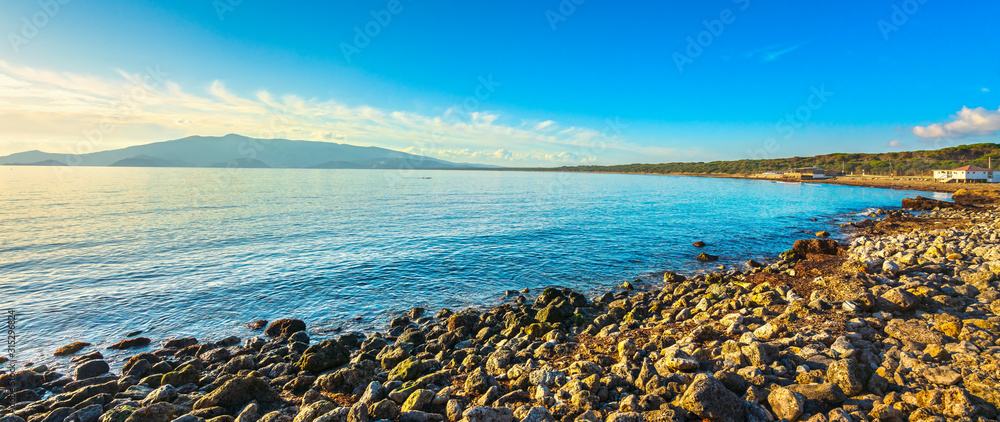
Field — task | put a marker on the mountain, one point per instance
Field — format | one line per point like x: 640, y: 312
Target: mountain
x: 901, y: 163
x: 241, y: 152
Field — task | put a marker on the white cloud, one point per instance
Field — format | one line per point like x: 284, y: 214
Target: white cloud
x: 985, y: 89
x: 54, y: 110
x: 895, y: 143
x: 967, y: 122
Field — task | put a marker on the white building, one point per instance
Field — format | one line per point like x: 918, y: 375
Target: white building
x: 967, y: 174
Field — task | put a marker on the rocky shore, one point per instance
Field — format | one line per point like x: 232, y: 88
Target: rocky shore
x: 900, y: 324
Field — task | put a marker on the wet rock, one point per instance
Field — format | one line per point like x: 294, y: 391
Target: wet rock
x: 91, y: 369
x: 704, y: 257
x: 257, y: 325
x: 70, y: 349
x: 180, y: 343
x: 131, y: 343
x: 699, y: 244
x: 284, y: 328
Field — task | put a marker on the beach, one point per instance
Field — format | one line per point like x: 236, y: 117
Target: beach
x: 898, y: 322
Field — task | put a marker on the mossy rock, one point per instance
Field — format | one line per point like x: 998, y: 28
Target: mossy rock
x: 187, y: 374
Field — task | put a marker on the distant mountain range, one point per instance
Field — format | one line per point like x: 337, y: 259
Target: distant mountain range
x: 241, y: 152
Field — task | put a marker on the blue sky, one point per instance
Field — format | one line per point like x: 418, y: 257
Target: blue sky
x: 514, y: 83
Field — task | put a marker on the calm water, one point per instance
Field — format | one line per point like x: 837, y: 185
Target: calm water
x: 95, y: 253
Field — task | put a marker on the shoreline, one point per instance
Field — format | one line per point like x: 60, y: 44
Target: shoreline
x: 671, y: 350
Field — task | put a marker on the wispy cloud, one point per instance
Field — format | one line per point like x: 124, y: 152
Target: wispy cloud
x: 51, y: 111
x: 774, y: 52
x: 895, y: 143
x: 967, y: 122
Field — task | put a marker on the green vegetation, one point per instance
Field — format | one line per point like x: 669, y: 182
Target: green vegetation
x: 911, y: 163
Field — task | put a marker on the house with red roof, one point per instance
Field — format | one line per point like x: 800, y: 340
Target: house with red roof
x: 967, y: 174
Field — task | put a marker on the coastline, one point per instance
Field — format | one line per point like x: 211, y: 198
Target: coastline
x: 769, y: 342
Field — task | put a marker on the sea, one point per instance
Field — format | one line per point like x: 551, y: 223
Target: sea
x: 93, y: 254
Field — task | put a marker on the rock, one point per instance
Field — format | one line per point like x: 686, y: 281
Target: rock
x: 699, y: 244
x: 897, y: 300
x: 914, y: 331
x: 786, y: 403
x: 921, y: 203
x: 488, y: 414
x: 237, y: 392
x: 131, y: 343
x: 187, y: 374
x: 670, y: 277
x: 90, y: 369
x: 325, y: 355
x: 56, y: 415
x: 250, y: 413
x: 823, y: 234
x: 310, y: 412
x: 385, y: 410
x: 804, y: 247
x: 538, y: 414
x: 257, y: 325
x: 707, y: 398
x: 87, y: 414
x: 704, y: 257
x: 625, y: 417
x: 11, y: 418
x: 166, y: 393
x: 159, y: 412
x: 829, y: 393
x: 180, y: 343
x: 70, y: 349
x: 417, y: 400
x: 845, y: 374
x: 891, y: 268
x: 285, y: 327
x: 942, y: 375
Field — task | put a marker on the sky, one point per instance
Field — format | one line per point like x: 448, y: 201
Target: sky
x: 515, y: 83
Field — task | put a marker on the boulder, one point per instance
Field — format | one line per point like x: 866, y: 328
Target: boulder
x: 131, y: 343
x: 488, y: 414
x: 90, y: 369
x: 786, y: 403
x: 804, y: 247
x: 845, y: 374
x: 285, y: 327
x: 921, y: 203
x: 708, y: 398
x: 704, y: 257
x: 325, y: 355
x: 237, y: 392
x: 70, y: 349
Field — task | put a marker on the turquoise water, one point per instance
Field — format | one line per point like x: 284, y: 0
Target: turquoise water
x: 94, y: 253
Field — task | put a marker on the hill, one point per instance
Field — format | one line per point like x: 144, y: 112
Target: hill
x: 910, y: 163
x: 241, y: 152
